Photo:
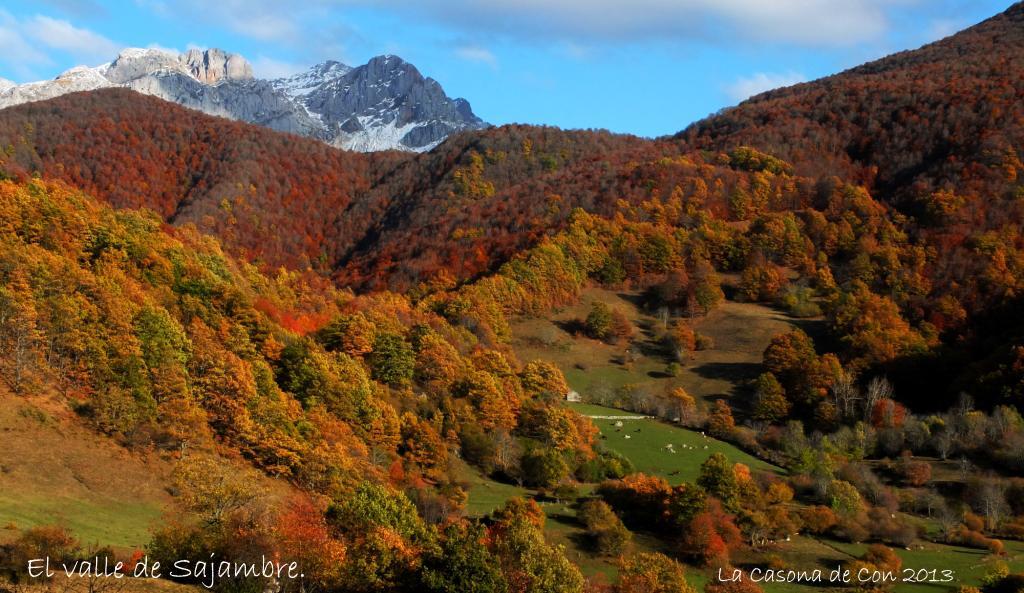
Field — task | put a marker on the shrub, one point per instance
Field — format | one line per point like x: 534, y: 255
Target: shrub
x: 798, y: 302
x: 915, y: 472
x: 607, y: 534
x: 45, y: 541
x: 705, y: 342
x: 544, y: 468
x: 818, y: 519
x: 598, y: 324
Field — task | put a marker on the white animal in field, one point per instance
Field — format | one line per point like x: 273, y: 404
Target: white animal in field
x: 628, y: 437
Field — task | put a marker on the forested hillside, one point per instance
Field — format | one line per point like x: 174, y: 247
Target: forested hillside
x: 160, y: 341
x: 942, y: 118
x: 936, y: 133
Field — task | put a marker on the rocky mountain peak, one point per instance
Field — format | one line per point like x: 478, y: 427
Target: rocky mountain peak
x: 134, y: 62
x: 214, y: 65
x: 331, y: 68
x: 304, y: 82
x: 385, y: 104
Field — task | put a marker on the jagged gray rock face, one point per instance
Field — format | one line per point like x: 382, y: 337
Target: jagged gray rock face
x: 253, y: 101
x: 384, y: 104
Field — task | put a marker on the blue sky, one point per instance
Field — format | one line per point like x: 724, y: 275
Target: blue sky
x: 647, y: 67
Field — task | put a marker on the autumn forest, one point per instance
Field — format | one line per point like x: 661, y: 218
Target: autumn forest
x: 531, y: 360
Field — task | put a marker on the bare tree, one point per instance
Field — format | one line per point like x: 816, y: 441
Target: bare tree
x: 845, y: 395
x: 506, y: 452
x: 878, y: 389
x: 990, y: 500
x: 965, y: 466
x: 931, y: 502
x: 949, y: 520
x: 943, y: 443
x: 964, y: 405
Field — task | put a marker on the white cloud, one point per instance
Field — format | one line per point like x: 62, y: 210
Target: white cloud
x: 18, y: 54
x: 263, y: 20
x: 313, y: 29
x: 475, y: 53
x: 82, y: 44
x: 747, y: 87
x: 811, y: 23
x: 264, y: 67
x: 28, y: 43
x: 265, y: 26
x: 800, y: 22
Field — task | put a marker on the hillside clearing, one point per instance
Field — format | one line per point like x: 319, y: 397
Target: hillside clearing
x: 55, y: 472
x: 645, y: 442
x: 739, y: 333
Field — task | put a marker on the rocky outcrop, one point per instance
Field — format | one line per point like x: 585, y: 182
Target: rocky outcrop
x: 253, y: 101
x: 133, y: 64
x: 77, y: 79
x: 214, y: 65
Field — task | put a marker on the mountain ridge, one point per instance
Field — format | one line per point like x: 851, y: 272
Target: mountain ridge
x: 385, y: 104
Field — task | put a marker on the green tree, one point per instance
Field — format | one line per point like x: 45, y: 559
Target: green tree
x: 165, y: 350
x: 719, y: 480
x: 392, y: 360
x: 686, y: 501
x: 607, y: 534
x: 374, y: 505
x: 533, y: 565
x: 351, y: 334
x: 542, y: 378
x: 162, y: 338
x: 770, y: 403
x: 544, y: 467
x: 844, y: 498
x: 720, y: 421
x: 461, y: 563
x: 598, y: 323
x: 652, y: 573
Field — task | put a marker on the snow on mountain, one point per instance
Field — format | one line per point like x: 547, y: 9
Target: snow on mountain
x: 134, y: 63
x: 79, y: 78
x: 385, y: 104
x: 303, y: 83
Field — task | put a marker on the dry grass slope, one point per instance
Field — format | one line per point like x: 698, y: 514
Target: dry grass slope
x: 54, y: 471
